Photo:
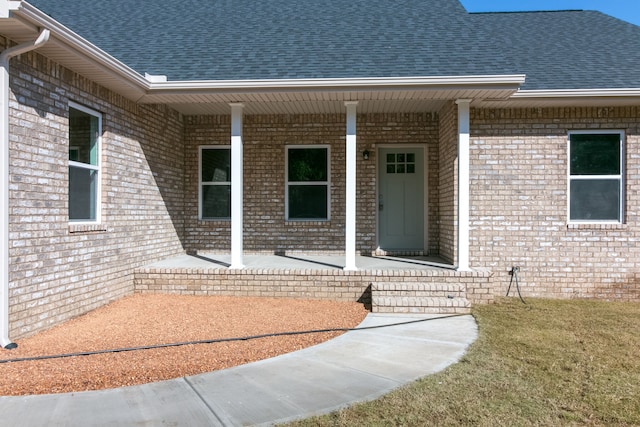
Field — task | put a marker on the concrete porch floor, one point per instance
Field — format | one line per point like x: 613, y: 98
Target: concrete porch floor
x: 303, y: 262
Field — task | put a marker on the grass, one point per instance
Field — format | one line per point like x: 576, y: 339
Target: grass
x: 545, y: 363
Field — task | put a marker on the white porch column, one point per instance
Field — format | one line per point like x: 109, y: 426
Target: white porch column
x: 236, y: 187
x: 463, y: 183
x: 350, y: 192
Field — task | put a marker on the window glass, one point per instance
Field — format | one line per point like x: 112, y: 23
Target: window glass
x: 595, y: 154
x: 83, y: 137
x: 84, y: 168
x: 83, y: 192
x: 308, y: 202
x: 216, y: 165
x: 307, y: 183
x: 596, y: 200
x: 216, y: 201
x: 307, y: 164
x: 401, y: 163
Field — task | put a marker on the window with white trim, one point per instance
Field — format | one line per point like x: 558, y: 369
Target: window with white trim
x: 307, y: 182
x: 85, y: 130
x: 596, y: 190
x: 215, y: 183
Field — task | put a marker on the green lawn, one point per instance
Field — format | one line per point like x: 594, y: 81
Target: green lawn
x: 545, y: 363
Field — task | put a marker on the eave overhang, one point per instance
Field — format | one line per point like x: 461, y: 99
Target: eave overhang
x: 21, y: 22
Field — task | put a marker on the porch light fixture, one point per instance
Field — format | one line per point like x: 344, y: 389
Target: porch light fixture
x: 365, y: 154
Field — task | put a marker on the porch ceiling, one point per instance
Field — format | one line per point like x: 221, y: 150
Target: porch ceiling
x: 309, y: 107
x: 318, y: 102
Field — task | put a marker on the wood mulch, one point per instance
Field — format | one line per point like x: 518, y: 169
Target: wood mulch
x: 147, y: 320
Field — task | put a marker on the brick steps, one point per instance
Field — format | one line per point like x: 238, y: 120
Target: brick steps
x: 437, y: 298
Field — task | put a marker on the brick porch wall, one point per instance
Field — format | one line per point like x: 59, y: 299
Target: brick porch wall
x: 310, y: 284
x: 519, y: 205
x: 58, y: 271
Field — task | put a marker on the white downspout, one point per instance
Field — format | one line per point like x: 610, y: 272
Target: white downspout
x: 5, y: 56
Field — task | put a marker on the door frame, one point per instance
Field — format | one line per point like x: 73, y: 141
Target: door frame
x: 425, y: 237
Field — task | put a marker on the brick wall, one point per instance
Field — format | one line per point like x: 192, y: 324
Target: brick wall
x: 519, y: 205
x: 58, y: 271
x: 265, y: 139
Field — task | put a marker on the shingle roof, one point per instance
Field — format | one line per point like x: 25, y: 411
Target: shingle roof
x: 290, y: 39
x: 564, y: 50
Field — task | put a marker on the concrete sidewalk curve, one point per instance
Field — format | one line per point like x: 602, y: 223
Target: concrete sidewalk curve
x: 357, y: 366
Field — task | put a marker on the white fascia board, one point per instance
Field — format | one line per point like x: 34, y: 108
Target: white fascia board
x: 577, y: 93
x: 373, y: 83
x: 81, y: 45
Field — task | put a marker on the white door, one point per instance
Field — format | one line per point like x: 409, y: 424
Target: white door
x: 401, y: 199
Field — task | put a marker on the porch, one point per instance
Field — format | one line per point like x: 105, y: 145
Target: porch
x: 384, y: 284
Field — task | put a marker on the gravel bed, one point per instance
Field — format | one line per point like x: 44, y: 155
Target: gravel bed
x: 143, y: 320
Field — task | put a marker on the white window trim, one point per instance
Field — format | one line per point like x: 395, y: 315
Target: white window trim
x: 201, y: 182
x: 619, y: 177
x: 287, y: 183
x: 97, y: 168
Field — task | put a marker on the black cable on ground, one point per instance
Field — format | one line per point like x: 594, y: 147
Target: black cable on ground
x: 217, y: 340
x: 514, y: 274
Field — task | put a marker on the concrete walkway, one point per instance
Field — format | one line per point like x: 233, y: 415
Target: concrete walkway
x: 354, y: 367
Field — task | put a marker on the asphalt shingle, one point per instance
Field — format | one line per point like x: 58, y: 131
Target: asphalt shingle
x: 285, y: 39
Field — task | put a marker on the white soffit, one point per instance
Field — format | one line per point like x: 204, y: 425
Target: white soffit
x: 304, y: 107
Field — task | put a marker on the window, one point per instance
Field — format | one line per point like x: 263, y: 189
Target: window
x: 85, y: 130
x: 307, y: 178
x: 401, y: 163
x: 215, y: 182
x: 595, y: 176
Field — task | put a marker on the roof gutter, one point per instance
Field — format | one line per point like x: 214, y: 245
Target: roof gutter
x: 559, y: 97
x: 5, y: 56
x: 340, y: 84
x: 576, y: 93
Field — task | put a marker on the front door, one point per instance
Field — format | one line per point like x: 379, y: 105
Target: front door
x: 401, y: 199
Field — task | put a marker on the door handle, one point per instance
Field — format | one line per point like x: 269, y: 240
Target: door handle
x: 380, y: 203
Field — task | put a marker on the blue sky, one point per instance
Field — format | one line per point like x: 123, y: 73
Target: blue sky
x: 627, y: 10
